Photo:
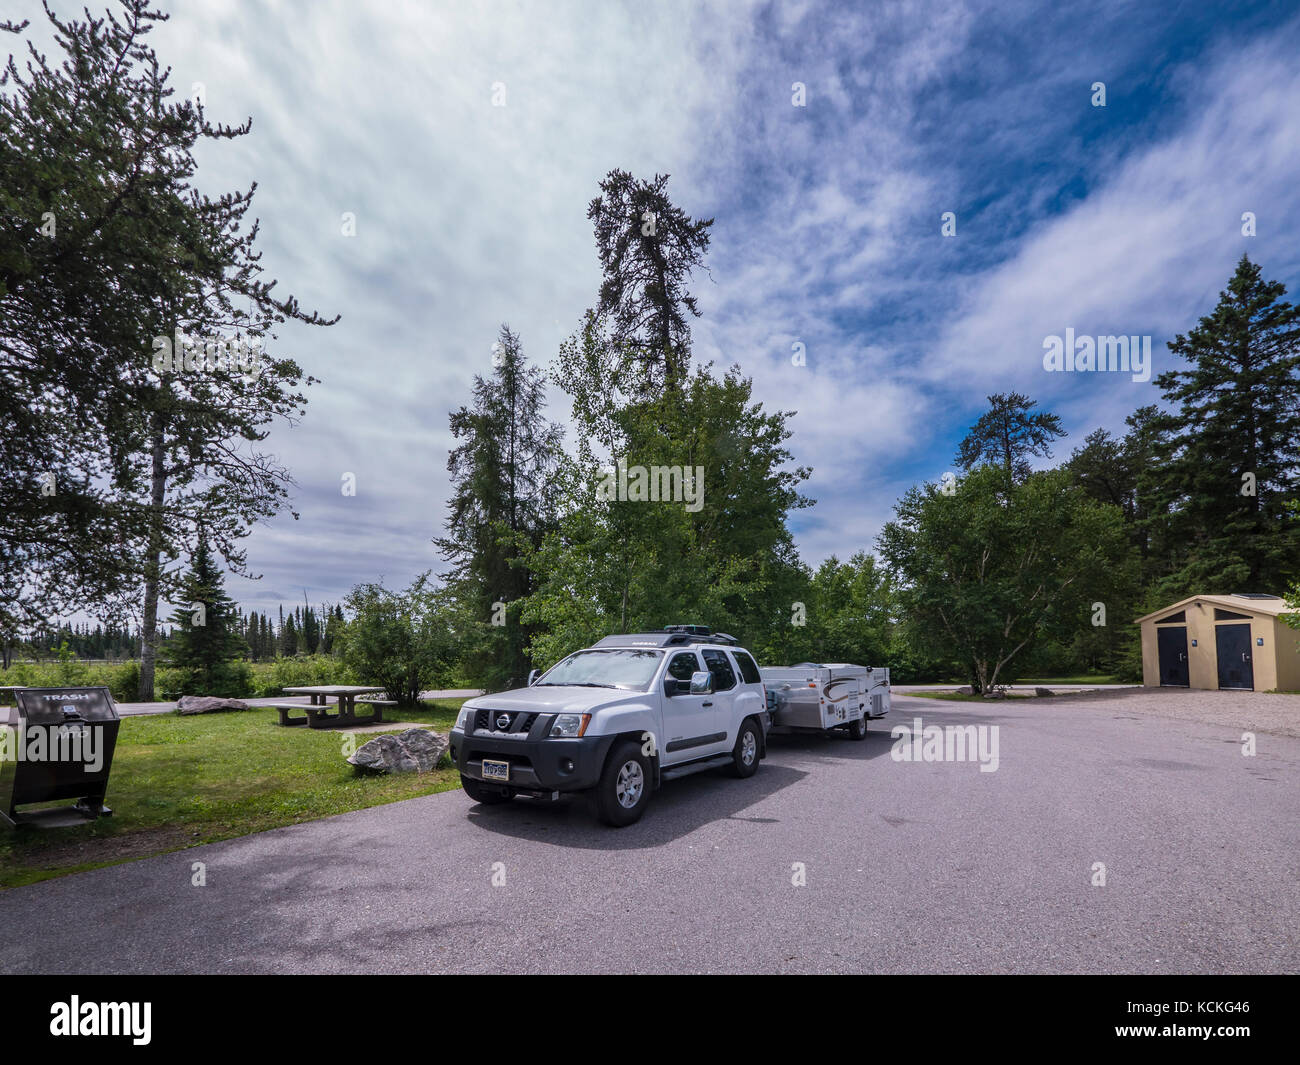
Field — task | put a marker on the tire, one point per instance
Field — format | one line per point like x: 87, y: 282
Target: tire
x: 487, y: 794
x: 858, y: 729
x: 745, y: 755
x: 624, y: 789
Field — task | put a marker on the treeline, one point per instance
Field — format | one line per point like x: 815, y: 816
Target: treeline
x: 1007, y: 572
x: 109, y: 642
x: 115, y: 464
x: 1002, y: 569
x: 304, y: 630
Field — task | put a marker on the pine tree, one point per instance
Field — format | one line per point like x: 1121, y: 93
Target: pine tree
x: 648, y: 247
x: 205, y: 638
x: 1227, y: 459
x: 289, y: 637
x: 136, y: 256
x: 501, y: 503
x: 1007, y: 434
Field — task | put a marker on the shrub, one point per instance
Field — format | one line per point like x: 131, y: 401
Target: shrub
x: 399, y: 640
x: 271, y: 678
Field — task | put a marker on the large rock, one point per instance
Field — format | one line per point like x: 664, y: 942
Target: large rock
x: 208, y: 704
x: 1043, y: 692
x: 416, y: 750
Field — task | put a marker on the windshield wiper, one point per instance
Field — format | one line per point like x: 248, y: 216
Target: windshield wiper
x: 573, y: 684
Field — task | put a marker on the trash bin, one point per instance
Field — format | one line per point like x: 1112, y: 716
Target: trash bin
x: 60, y: 746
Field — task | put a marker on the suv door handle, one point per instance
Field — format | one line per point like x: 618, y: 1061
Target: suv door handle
x: 709, y: 703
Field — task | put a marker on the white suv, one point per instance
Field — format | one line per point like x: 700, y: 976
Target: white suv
x: 616, y: 720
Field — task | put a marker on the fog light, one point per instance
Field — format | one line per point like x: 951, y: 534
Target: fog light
x: 567, y: 765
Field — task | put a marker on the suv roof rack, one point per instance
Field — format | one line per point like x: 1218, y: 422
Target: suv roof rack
x: 699, y: 634
x: 669, y: 636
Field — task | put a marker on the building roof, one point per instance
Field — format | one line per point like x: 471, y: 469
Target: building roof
x: 1240, y: 602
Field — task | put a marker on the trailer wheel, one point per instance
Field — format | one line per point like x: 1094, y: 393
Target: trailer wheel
x: 858, y: 729
x: 744, y: 756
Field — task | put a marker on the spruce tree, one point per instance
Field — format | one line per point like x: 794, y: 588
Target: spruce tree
x: 1227, y: 459
x: 205, y: 638
x: 648, y: 247
x: 501, y: 504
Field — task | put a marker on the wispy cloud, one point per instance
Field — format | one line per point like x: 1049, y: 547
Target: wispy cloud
x: 827, y: 233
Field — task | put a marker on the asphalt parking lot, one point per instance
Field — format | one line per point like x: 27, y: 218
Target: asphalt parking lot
x: 906, y: 867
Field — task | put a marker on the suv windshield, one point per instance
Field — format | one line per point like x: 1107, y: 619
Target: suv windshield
x: 632, y: 669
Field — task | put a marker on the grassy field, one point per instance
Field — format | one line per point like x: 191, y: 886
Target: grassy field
x: 180, y: 781
x: 260, y: 679
x: 957, y: 697
x: 1044, y: 682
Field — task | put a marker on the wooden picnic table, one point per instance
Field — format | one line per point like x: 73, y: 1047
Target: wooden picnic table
x: 346, y: 696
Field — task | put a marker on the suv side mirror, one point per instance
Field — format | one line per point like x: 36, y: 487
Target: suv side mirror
x: 701, y: 683
x: 532, y: 676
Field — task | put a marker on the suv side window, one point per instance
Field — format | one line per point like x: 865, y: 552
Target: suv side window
x: 724, y: 677
x: 682, y: 665
x: 748, y: 671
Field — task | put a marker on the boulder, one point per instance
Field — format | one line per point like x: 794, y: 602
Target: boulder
x: 416, y: 750
x: 208, y: 704
x: 1044, y: 691
x: 965, y: 690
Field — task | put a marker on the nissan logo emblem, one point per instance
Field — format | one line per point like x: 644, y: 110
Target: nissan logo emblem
x: 503, y: 722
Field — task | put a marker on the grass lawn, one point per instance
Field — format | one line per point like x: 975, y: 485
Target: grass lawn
x: 180, y: 781
x: 1047, y: 682
x: 941, y: 693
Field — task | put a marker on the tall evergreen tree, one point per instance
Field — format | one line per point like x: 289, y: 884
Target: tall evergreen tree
x: 134, y: 253
x: 205, y: 637
x: 501, y: 504
x: 1008, y: 433
x: 1227, y: 459
x: 648, y: 247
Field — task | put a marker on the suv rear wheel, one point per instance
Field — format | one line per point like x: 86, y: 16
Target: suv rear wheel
x: 744, y: 756
x: 624, y: 789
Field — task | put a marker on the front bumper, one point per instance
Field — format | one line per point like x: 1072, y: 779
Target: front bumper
x: 537, y: 762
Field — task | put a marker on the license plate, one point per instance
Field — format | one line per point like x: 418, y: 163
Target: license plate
x: 496, y: 770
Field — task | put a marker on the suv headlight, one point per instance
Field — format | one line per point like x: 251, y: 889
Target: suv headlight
x: 570, y: 726
x: 462, y: 719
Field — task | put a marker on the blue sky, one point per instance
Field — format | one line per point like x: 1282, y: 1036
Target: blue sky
x: 1120, y: 219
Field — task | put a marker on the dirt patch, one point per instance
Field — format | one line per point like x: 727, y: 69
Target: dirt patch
x: 144, y: 843
x: 1246, y: 711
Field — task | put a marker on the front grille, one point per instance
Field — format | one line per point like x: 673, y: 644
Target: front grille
x: 521, y: 721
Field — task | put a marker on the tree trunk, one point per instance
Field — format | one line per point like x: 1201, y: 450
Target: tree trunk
x: 153, y: 565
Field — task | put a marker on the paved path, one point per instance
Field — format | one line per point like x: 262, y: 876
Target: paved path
x: 911, y: 867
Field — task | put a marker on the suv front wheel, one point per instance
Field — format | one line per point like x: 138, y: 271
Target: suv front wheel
x: 624, y: 789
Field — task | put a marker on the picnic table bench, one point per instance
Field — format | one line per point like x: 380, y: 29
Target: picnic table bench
x: 317, y: 713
